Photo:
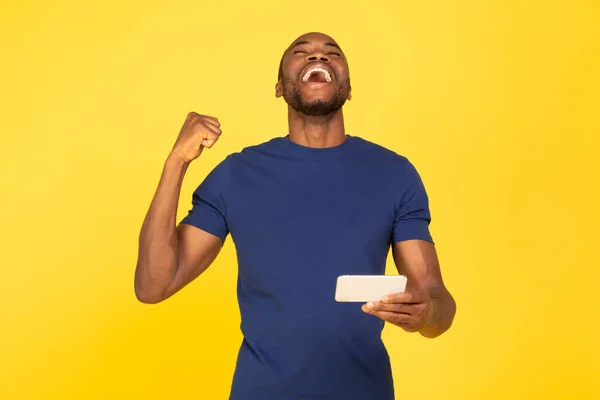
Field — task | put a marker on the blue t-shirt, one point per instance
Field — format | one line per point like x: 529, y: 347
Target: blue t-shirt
x: 300, y: 217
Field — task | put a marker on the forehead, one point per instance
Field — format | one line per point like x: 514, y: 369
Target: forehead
x: 314, y: 38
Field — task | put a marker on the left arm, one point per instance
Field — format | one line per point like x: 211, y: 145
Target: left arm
x: 427, y: 306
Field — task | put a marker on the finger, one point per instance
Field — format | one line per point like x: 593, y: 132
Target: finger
x: 214, y: 129
x: 210, y: 135
x: 214, y: 123
x: 209, y: 138
x: 395, y: 307
x: 392, y: 317
x: 408, y: 297
x: 212, y: 119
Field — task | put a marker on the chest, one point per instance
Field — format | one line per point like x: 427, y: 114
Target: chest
x: 312, y: 202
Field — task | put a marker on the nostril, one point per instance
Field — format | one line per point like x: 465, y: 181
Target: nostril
x: 312, y: 58
x: 324, y: 59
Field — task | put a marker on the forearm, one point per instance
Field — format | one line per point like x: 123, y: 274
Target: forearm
x: 158, y: 245
x: 441, y: 314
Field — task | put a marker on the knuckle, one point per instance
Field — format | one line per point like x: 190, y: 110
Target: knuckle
x: 424, y: 311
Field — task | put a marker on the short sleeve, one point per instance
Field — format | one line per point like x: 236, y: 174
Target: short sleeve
x: 412, y: 217
x: 209, y: 202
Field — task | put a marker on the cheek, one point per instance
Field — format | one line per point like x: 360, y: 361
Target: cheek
x: 342, y: 73
x: 291, y: 69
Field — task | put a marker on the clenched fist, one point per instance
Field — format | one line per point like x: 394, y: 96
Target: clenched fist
x: 197, y: 132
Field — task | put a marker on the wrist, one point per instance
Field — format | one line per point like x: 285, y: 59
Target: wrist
x: 175, y: 160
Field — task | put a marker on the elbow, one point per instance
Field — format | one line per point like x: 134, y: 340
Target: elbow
x: 147, y: 298
x: 146, y: 295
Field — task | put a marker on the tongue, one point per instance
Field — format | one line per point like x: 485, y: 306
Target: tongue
x: 317, y: 77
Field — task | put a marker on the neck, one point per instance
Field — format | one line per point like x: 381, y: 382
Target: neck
x: 318, y: 132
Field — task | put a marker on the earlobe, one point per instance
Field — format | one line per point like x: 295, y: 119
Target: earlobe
x: 278, y: 89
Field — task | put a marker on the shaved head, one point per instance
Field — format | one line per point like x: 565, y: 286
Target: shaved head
x: 299, y: 39
x: 313, y: 75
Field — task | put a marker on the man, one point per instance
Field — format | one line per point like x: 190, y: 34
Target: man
x: 302, y: 210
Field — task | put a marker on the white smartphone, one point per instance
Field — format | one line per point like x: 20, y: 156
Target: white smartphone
x: 364, y: 288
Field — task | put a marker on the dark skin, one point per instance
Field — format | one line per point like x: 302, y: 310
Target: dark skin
x: 315, y: 49
x: 170, y: 256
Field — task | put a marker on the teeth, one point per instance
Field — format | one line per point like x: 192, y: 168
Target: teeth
x: 313, y: 70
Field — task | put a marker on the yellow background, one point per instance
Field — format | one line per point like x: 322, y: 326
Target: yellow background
x: 496, y: 103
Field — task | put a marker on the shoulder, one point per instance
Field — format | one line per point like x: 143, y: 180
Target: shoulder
x: 395, y: 166
x: 252, y: 152
x: 380, y: 153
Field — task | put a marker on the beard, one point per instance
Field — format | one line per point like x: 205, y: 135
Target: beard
x: 315, y: 108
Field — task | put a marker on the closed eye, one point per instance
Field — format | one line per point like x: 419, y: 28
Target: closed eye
x: 299, y: 51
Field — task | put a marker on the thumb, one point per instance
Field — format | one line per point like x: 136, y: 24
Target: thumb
x: 208, y: 143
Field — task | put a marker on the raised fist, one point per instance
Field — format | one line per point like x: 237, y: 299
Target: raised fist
x: 197, y: 132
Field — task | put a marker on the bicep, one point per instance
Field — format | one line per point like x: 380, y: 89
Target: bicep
x: 197, y: 249
x: 418, y: 260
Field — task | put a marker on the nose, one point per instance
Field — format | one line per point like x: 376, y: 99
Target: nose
x: 317, y: 56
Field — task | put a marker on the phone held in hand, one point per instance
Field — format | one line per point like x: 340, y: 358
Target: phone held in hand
x: 365, y: 288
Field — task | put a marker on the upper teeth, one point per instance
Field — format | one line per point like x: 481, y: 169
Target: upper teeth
x: 313, y: 70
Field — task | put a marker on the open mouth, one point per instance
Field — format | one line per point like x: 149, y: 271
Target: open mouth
x: 317, y: 74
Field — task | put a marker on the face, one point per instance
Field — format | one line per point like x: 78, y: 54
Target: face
x: 315, y: 77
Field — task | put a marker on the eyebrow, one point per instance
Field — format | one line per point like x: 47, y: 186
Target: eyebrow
x: 307, y: 42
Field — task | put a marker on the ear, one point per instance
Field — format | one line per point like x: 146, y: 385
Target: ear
x: 278, y: 89
x: 350, y: 94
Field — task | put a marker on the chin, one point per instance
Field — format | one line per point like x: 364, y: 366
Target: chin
x: 312, y: 98
x: 317, y: 100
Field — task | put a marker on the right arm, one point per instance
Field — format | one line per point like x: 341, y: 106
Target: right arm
x: 171, y: 256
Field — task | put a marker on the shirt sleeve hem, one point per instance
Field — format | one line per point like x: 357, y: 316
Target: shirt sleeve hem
x: 411, y: 230
x: 206, y: 227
